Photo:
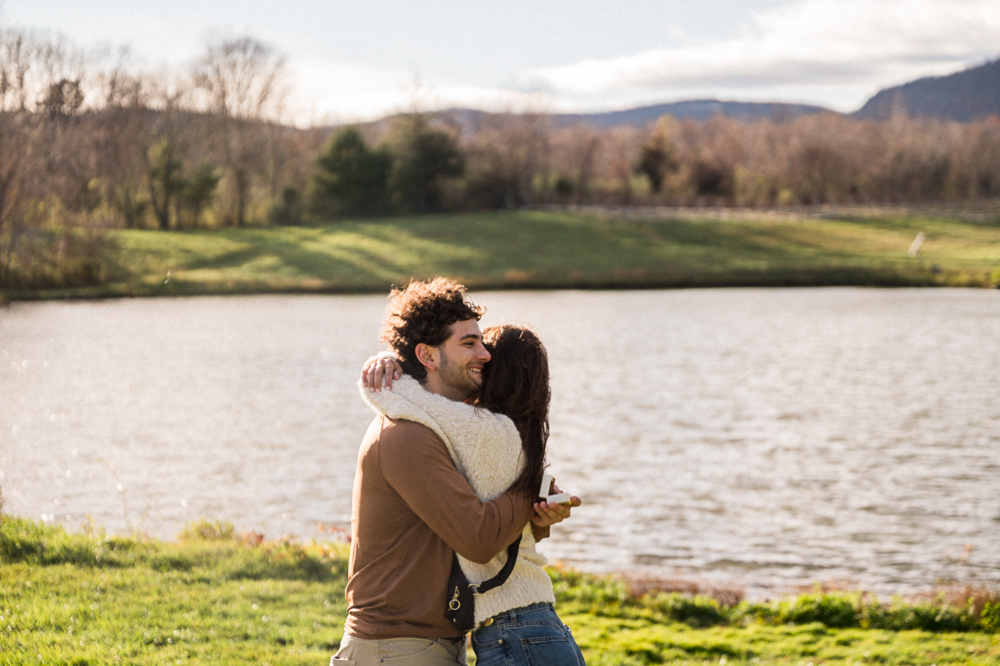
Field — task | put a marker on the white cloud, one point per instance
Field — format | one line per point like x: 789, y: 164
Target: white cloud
x: 331, y: 92
x: 816, y: 47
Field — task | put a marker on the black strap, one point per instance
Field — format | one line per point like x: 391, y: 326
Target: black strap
x: 503, y: 574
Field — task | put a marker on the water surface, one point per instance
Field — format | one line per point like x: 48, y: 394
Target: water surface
x: 766, y: 437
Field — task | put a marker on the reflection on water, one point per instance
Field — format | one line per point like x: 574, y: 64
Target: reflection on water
x: 769, y: 437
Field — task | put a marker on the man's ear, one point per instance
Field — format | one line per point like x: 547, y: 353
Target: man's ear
x: 425, y: 354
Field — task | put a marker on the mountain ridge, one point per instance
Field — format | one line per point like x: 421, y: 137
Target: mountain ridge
x: 965, y: 96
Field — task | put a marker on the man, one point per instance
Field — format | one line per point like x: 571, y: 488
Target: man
x: 411, y: 508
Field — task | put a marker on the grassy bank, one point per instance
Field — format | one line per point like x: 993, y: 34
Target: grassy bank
x: 218, y: 598
x: 544, y: 250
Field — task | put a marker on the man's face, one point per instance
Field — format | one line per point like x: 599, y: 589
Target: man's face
x: 462, y: 359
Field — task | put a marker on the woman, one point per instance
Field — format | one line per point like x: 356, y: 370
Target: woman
x: 499, y: 443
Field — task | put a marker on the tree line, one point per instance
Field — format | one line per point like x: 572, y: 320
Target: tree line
x: 92, y: 142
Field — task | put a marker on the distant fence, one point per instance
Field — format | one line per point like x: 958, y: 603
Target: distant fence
x: 983, y: 211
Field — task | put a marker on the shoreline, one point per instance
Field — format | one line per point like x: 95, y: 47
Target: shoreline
x: 84, y: 295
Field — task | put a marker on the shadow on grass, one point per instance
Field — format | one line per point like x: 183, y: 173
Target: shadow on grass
x: 337, y: 265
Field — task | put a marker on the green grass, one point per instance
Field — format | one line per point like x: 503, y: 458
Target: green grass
x: 218, y: 598
x: 544, y: 250
x: 78, y: 599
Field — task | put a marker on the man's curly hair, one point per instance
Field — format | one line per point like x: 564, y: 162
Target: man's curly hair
x: 421, y: 313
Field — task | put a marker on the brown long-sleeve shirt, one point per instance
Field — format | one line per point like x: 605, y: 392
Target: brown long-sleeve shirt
x: 411, y: 508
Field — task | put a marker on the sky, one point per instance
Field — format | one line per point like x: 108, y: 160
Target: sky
x: 361, y: 60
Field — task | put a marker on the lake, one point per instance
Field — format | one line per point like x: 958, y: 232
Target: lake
x: 767, y: 438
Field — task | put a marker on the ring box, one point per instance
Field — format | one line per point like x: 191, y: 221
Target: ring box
x: 546, y: 488
x: 547, y: 481
x: 560, y: 498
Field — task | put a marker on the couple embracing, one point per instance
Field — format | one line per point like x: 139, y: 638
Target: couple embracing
x: 447, y: 489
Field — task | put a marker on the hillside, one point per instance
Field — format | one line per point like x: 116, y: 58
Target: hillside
x: 470, y: 119
x: 965, y: 96
x: 547, y: 250
x: 702, y: 109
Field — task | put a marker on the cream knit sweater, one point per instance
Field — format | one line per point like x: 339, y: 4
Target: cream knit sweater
x: 486, y: 449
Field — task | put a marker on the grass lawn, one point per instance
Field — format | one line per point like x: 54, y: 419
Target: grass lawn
x: 544, y: 250
x: 217, y: 598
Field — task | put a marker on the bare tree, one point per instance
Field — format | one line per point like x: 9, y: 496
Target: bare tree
x: 241, y: 81
x: 60, y: 84
x: 574, y: 157
x: 16, y: 57
x: 17, y: 129
x: 506, y: 154
x: 121, y: 131
x: 15, y: 135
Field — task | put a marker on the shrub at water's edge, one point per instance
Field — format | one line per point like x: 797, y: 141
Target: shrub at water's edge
x: 209, y: 545
x: 215, y: 546
x: 973, y: 608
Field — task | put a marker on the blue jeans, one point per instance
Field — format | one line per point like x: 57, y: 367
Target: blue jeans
x: 529, y: 636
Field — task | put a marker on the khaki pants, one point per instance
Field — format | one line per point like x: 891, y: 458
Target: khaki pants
x: 416, y: 651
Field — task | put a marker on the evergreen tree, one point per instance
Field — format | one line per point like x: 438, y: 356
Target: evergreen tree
x: 656, y: 160
x: 351, y: 178
x: 424, y: 158
x: 164, y: 177
x: 199, y: 191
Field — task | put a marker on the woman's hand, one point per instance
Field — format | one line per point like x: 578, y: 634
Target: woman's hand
x: 547, y: 514
x: 383, y: 370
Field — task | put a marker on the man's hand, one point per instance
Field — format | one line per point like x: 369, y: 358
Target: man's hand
x: 384, y: 369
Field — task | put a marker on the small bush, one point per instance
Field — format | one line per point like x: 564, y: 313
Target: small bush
x: 207, y: 530
x: 989, y: 621
x: 602, y: 594
x: 287, y: 209
x: 926, y: 616
x: 24, y: 540
x: 697, y: 611
x: 835, y: 610
x: 45, y: 258
x: 19, y: 540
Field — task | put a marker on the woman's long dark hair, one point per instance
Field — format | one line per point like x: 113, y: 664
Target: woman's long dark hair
x: 516, y: 384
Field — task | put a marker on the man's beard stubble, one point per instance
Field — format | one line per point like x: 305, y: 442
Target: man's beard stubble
x: 457, y: 377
